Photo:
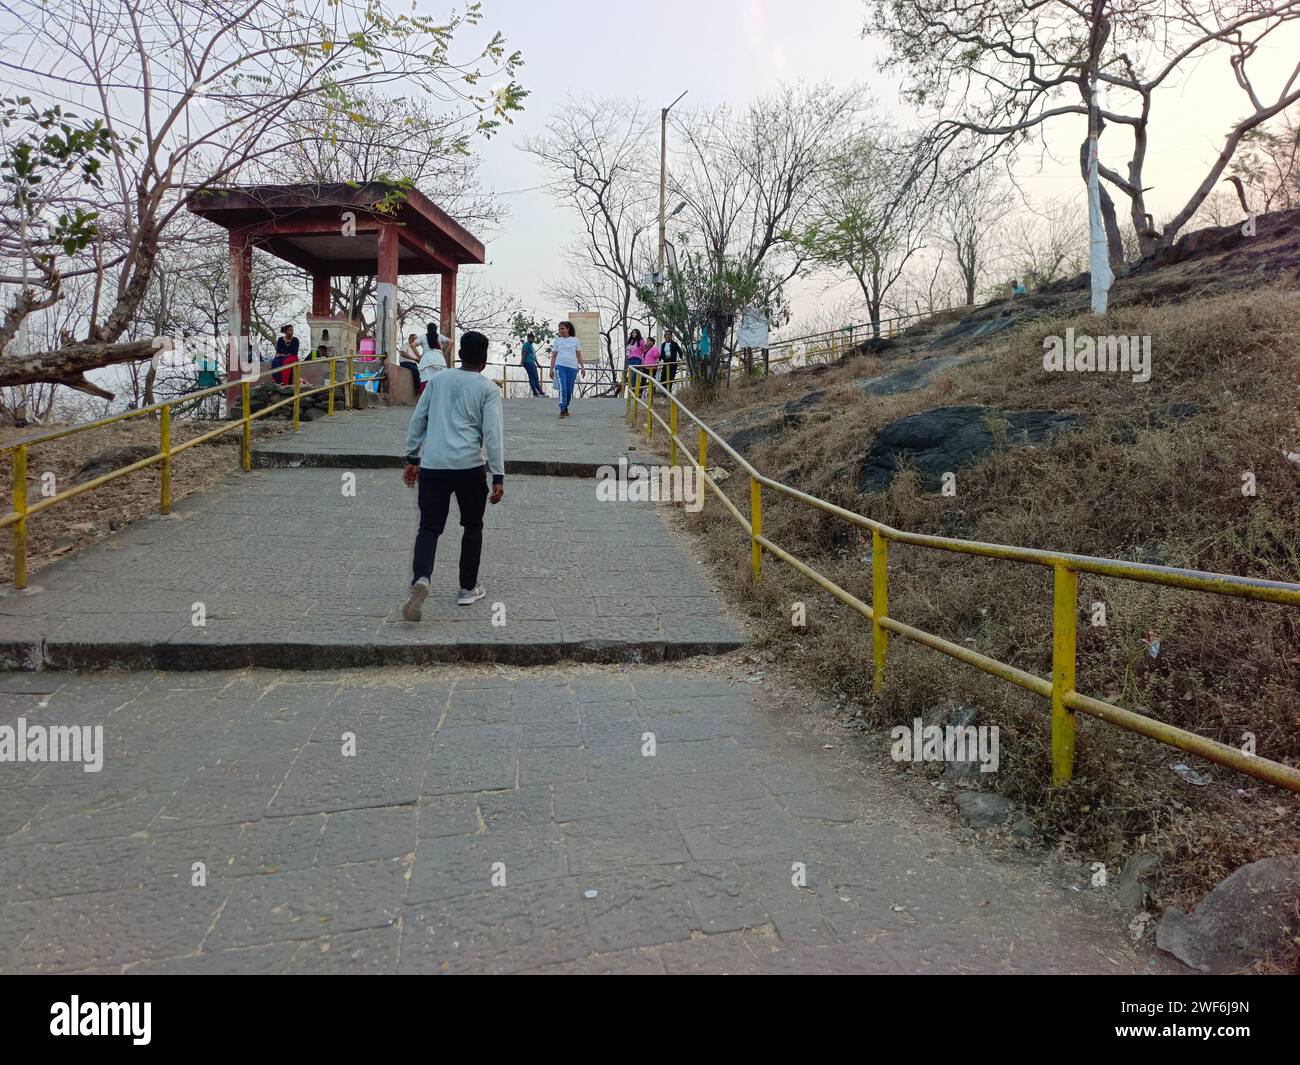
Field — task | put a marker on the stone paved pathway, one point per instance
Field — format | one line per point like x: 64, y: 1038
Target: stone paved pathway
x: 308, y: 568
x: 292, y: 573
x: 606, y: 858
x: 548, y: 815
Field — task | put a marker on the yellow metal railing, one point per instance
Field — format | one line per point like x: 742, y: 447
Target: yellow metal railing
x: 1060, y: 689
x: 828, y: 346
x: 23, y: 511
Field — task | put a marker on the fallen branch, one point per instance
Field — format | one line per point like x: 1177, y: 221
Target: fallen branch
x: 68, y: 365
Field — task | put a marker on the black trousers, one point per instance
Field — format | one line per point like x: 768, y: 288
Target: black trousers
x: 667, y: 371
x: 470, y: 487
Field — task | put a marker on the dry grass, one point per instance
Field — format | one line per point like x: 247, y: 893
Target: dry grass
x: 1115, y: 488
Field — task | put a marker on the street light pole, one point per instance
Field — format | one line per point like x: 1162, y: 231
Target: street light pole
x: 663, y: 179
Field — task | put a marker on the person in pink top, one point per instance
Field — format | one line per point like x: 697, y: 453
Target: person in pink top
x: 651, y: 356
x: 636, y: 349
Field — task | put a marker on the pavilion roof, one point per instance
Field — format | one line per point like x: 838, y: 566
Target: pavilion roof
x: 304, y: 224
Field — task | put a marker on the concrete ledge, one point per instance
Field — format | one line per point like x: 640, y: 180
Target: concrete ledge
x: 285, y: 459
x: 537, y: 442
x: 192, y: 657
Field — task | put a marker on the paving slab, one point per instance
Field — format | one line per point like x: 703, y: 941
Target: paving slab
x: 308, y: 569
x: 428, y: 849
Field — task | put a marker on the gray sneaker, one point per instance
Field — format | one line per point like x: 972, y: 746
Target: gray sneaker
x: 419, y: 592
x: 470, y: 595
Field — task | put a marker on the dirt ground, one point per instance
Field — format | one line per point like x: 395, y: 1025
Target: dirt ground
x: 67, y: 527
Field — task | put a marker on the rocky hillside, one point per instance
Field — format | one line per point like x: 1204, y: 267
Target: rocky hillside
x: 957, y: 427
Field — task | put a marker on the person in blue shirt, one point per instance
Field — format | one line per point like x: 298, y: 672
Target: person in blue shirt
x: 529, y: 359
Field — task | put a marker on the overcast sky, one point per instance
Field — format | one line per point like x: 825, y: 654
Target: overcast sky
x: 732, y: 50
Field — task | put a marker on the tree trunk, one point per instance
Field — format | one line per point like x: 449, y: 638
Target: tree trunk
x: 133, y: 295
x: 67, y: 366
x: 1114, y: 238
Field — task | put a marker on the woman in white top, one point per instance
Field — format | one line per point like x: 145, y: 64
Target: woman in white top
x: 433, y: 358
x: 566, y: 364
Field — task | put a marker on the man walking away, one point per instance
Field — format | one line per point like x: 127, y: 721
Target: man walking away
x: 457, y: 419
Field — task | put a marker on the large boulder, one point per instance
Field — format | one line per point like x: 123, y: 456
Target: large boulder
x: 114, y: 459
x: 946, y: 439
x: 752, y: 427
x: 974, y: 328
x: 909, y: 378
x: 1240, y: 921
x: 874, y: 346
x: 761, y: 425
x: 796, y: 410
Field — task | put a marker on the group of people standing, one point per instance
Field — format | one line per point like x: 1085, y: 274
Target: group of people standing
x: 422, y: 361
x: 645, y: 352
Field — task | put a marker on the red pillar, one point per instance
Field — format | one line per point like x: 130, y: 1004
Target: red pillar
x: 239, y: 312
x: 447, y: 310
x: 386, y: 292
x: 320, y: 294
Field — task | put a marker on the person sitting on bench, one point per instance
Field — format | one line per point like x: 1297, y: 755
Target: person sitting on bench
x: 286, y: 354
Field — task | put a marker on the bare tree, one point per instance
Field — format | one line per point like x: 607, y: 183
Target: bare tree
x: 1003, y: 71
x: 391, y: 140
x: 930, y: 285
x: 1269, y: 165
x: 753, y: 184
x: 868, y: 219
x: 973, y: 208
x: 481, y: 307
x: 599, y: 159
x: 1048, y: 244
x: 744, y: 187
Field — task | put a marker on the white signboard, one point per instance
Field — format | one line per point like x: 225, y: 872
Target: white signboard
x: 753, y: 329
x: 586, y: 324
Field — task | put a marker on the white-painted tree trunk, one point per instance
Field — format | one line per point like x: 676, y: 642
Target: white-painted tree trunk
x: 1098, y: 252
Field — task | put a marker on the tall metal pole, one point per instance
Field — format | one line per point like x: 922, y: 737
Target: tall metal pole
x: 663, y: 181
x: 663, y: 184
